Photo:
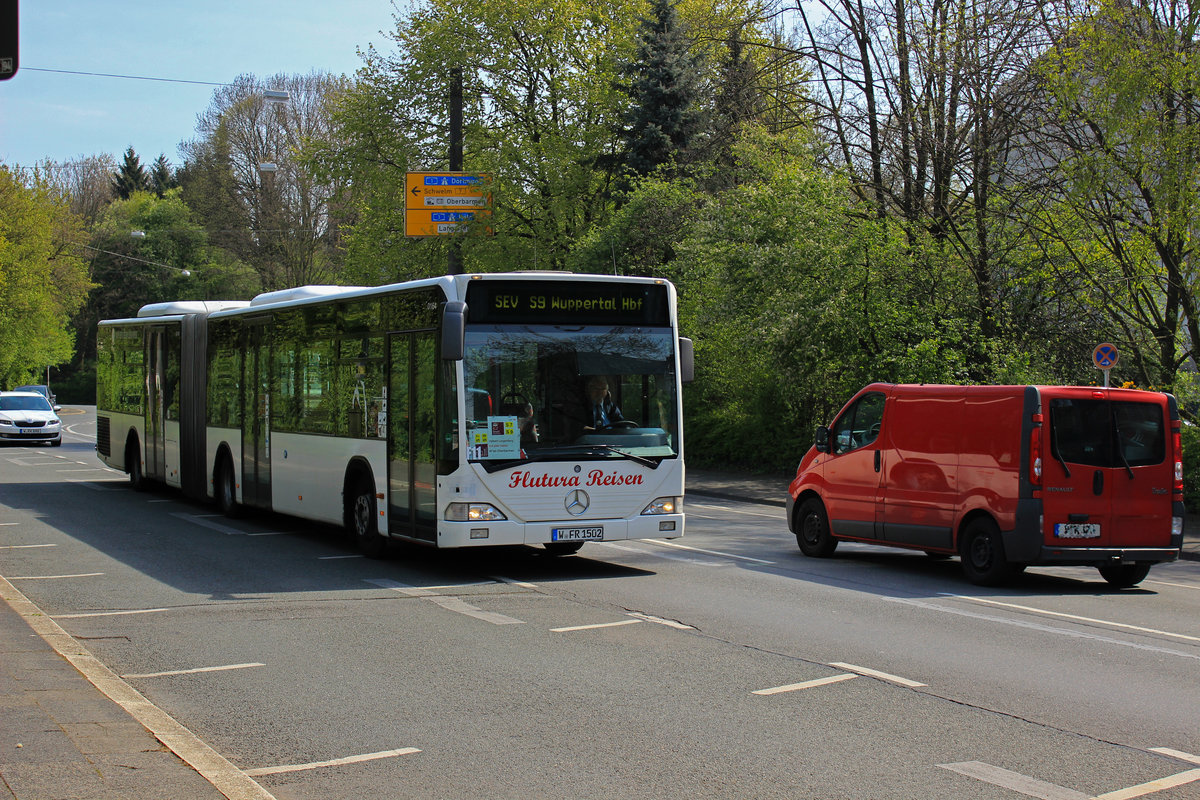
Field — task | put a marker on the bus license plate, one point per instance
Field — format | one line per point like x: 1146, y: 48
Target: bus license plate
x: 1077, y: 530
x: 576, y: 534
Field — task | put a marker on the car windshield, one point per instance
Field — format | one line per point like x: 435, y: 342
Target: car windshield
x: 550, y: 392
x: 24, y: 403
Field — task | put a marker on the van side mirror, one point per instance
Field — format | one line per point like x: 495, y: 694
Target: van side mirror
x: 454, y: 330
x: 687, y: 360
x: 822, y: 439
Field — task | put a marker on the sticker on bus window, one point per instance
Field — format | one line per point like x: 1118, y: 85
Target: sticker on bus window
x: 500, y: 438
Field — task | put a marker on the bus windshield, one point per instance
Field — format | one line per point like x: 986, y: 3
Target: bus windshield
x: 545, y: 392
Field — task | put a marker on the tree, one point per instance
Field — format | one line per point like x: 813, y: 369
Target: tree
x: 1117, y: 163
x: 162, y: 177
x: 130, y: 177
x: 42, y: 281
x: 87, y: 183
x: 662, y: 119
x: 283, y: 220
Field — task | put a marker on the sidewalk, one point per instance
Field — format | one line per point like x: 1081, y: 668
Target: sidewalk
x: 61, y: 737
x: 773, y: 489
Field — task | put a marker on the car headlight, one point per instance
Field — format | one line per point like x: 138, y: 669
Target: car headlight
x: 473, y: 512
x: 5, y: 422
x: 662, y: 505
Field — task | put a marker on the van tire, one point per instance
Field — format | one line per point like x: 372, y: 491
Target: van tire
x: 982, y: 553
x: 1124, y: 576
x: 812, y: 530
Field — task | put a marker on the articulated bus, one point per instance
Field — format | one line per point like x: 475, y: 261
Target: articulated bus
x: 467, y: 410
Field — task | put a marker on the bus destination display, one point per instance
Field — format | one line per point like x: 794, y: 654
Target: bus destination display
x: 590, y: 303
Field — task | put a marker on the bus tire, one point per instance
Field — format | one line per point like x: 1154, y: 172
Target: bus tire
x: 226, y: 489
x: 563, y: 548
x: 362, y: 518
x: 812, y: 530
x: 133, y: 465
x: 1124, y: 576
x: 982, y: 553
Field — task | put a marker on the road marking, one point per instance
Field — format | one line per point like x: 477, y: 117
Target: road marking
x: 195, y: 671
x: 795, y: 687
x: 597, y: 625
x: 455, y: 604
x: 84, y: 469
x: 112, y: 486
x: 335, y: 558
x: 336, y: 762
x: 53, y: 577
x: 24, y: 546
x: 1036, y: 626
x: 644, y: 552
x: 1176, y: 585
x: 883, y: 676
x: 216, y: 769
x: 1169, y: 782
x: 664, y: 543
x: 511, y: 582
x: 692, y: 505
x: 1077, y: 618
x: 9, y: 523
x: 998, y: 776
x: 670, y: 623
x: 1166, y: 751
x: 204, y: 522
x: 85, y: 614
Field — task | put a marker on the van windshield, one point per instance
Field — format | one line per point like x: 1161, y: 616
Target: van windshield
x: 1104, y: 433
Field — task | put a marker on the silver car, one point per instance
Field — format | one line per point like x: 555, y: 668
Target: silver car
x: 28, y: 417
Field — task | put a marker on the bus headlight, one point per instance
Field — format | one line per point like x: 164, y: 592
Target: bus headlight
x: 662, y: 505
x: 473, y: 512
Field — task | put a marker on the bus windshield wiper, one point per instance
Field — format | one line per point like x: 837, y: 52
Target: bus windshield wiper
x: 567, y: 451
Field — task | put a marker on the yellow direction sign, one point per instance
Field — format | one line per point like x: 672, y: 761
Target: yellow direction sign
x: 437, y: 203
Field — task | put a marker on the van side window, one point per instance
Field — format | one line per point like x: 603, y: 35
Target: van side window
x: 859, y: 425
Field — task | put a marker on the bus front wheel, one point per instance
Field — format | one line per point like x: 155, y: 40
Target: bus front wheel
x: 362, y: 519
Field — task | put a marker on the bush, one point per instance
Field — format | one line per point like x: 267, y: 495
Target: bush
x: 1191, y: 467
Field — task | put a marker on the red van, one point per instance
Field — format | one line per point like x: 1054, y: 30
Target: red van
x: 1003, y: 476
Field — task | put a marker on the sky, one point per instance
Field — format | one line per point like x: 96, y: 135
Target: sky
x: 61, y: 117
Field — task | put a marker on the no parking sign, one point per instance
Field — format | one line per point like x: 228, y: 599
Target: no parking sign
x: 1105, y: 357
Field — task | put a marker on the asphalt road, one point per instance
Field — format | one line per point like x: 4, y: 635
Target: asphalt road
x: 722, y: 664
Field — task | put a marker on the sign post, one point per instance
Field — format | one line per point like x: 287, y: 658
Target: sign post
x: 1105, y: 357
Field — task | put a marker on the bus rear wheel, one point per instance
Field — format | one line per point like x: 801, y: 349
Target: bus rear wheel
x: 361, y: 519
x: 226, y: 490
x: 133, y: 465
x: 1124, y: 576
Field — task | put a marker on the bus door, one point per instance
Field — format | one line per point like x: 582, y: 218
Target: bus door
x: 411, y: 415
x: 256, y: 419
x: 156, y: 443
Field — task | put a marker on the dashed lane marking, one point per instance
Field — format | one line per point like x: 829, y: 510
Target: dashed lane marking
x: 796, y: 687
x: 450, y: 603
x: 883, y: 676
x: 336, y: 762
x: 1007, y: 779
x: 1075, y: 617
x: 194, y: 671
x: 570, y: 628
x: 86, y: 614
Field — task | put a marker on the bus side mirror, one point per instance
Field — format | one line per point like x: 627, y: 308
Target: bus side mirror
x: 454, y: 327
x: 822, y: 439
x: 687, y: 360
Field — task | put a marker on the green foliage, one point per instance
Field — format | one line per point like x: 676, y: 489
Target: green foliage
x: 42, y: 282
x: 130, y: 177
x: 1190, y: 436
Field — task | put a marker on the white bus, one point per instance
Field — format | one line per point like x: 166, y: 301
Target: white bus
x: 456, y: 411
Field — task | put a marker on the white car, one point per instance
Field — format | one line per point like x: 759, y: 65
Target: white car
x: 28, y: 417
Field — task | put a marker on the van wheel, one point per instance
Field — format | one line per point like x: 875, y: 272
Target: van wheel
x: 362, y: 519
x: 812, y: 534
x: 1123, y: 576
x: 982, y: 553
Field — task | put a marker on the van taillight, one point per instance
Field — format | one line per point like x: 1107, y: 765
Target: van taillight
x: 1035, y: 452
x: 1177, y: 444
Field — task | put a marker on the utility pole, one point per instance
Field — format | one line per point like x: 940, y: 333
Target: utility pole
x: 454, y: 265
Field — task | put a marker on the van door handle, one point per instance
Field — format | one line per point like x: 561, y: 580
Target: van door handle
x: 1098, y: 483
x: 878, y: 459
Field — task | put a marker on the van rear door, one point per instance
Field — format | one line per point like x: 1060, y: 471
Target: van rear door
x: 1107, y: 476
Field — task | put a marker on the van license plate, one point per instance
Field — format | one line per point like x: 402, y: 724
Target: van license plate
x: 1077, y: 530
x: 576, y: 534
